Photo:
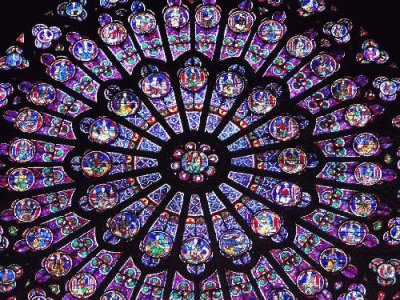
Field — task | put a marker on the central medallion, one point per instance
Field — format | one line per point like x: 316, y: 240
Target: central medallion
x: 194, y: 162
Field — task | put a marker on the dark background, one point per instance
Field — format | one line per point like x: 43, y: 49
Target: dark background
x: 380, y: 18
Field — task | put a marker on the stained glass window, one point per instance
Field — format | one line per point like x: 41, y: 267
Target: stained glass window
x: 199, y: 149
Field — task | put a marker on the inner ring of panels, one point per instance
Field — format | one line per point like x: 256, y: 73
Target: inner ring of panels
x: 198, y: 150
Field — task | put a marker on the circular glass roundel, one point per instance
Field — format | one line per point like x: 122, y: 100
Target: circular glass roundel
x: 7, y: 276
x: 230, y: 84
x: 58, y: 264
x: 4, y: 92
x: 42, y: 94
x: 39, y: 238
x: 74, y: 9
x: 103, y: 197
x: 22, y: 150
x: 113, y: 295
x: 21, y: 179
x: 310, y: 6
x: 281, y: 294
x: 195, y: 251
x: 125, y: 103
x: 241, y: 21
x: 45, y: 35
x: 234, y: 243
x: 344, y: 89
x: 388, y: 88
x: 82, y: 285
x: 333, y: 260
x: 14, y: 59
x: 157, y: 244
x: 284, y: 128
x: 85, y: 50
x: 387, y: 271
x: 310, y: 282
x: 368, y: 173
x: 286, y: 194
x: 27, y: 210
x: 340, y: 30
x: 193, y: 79
x: 124, y: 225
x: 358, y: 115
x: 352, y: 233
x: 366, y: 144
x: 176, y: 16
x: 261, y: 101
x: 197, y: 150
x: 271, y: 31
x: 300, y: 46
x: 62, y: 70
x: 144, y: 23
x: 156, y: 85
x: 266, y: 223
x: 323, y: 65
x: 96, y: 164
x: 208, y: 16
x: 194, y: 162
x: 114, y: 34
x: 371, y: 53
x: 104, y: 131
x: 292, y: 160
x: 363, y: 205
x: 29, y: 121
